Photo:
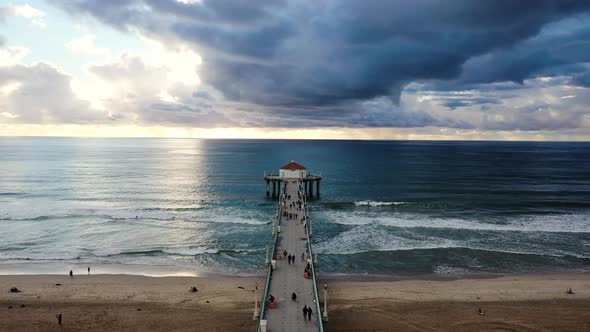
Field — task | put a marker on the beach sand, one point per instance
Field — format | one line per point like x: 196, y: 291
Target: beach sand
x: 137, y: 303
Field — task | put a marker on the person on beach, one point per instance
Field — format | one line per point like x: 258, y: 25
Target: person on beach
x: 58, y: 316
x: 309, y: 312
x: 294, y: 296
x: 304, y: 311
x: 89, y: 270
x: 71, y: 274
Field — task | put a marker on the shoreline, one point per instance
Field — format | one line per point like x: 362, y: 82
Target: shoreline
x: 128, y: 302
x: 54, y: 268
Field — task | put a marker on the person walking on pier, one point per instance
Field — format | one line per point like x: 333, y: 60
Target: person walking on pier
x: 302, y: 257
x: 289, y: 259
x: 309, y: 312
x: 304, y: 311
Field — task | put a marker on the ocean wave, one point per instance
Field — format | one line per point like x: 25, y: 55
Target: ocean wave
x: 562, y: 223
x: 374, y: 204
x: 364, y: 239
x: 374, y: 238
x: 186, y: 251
x: 131, y: 217
x: 173, y: 209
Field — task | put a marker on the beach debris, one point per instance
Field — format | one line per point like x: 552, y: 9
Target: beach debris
x: 22, y: 306
x: 58, y: 316
x: 14, y: 290
x: 138, y: 309
x: 480, y: 312
x: 58, y: 284
x: 240, y: 287
x: 569, y: 291
x: 9, y: 307
x: 194, y: 289
x: 206, y: 301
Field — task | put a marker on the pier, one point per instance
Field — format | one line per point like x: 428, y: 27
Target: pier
x: 292, y: 169
x: 292, y: 231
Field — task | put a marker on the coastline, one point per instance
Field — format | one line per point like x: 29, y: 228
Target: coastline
x: 121, y: 302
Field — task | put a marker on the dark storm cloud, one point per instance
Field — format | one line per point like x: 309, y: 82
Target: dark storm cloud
x: 582, y: 79
x: 454, y: 103
x: 545, y: 55
x: 318, y: 55
x: 304, y: 53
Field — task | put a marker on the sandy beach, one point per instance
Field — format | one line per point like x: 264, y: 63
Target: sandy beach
x: 138, y: 303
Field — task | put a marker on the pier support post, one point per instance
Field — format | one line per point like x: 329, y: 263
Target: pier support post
x: 325, y: 313
x: 318, y: 188
x: 267, y: 188
x: 274, y: 188
x: 256, y: 310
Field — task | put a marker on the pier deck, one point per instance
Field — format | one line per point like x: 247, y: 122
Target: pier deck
x: 289, y: 278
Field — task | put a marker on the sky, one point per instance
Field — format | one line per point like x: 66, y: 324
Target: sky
x: 332, y: 69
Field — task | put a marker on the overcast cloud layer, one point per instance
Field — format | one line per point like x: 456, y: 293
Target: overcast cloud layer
x: 481, y: 65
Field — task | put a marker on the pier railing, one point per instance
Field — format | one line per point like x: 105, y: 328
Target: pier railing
x: 276, y: 223
x: 315, y: 283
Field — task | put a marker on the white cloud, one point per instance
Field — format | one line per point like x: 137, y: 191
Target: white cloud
x: 9, y: 88
x: 181, y: 62
x: 39, y: 23
x: 86, y: 45
x: 25, y: 11
x: 11, y: 56
x: 41, y: 93
x: 9, y: 115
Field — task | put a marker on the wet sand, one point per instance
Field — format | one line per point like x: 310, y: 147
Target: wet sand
x: 138, y: 303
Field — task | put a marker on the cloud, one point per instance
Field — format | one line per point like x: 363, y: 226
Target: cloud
x: 25, y: 11
x: 485, y: 65
x: 53, y: 101
x: 321, y: 53
x: 12, y: 55
x: 86, y: 45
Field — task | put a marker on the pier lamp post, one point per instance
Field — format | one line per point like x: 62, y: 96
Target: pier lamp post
x: 256, y: 311
x: 325, y: 314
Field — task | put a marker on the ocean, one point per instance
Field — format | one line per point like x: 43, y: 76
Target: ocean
x: 396, y: 208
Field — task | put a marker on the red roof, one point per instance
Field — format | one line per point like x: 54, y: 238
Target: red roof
x: 293, y: 165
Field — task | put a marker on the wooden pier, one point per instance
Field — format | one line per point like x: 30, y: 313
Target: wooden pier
x: 292, y: 232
